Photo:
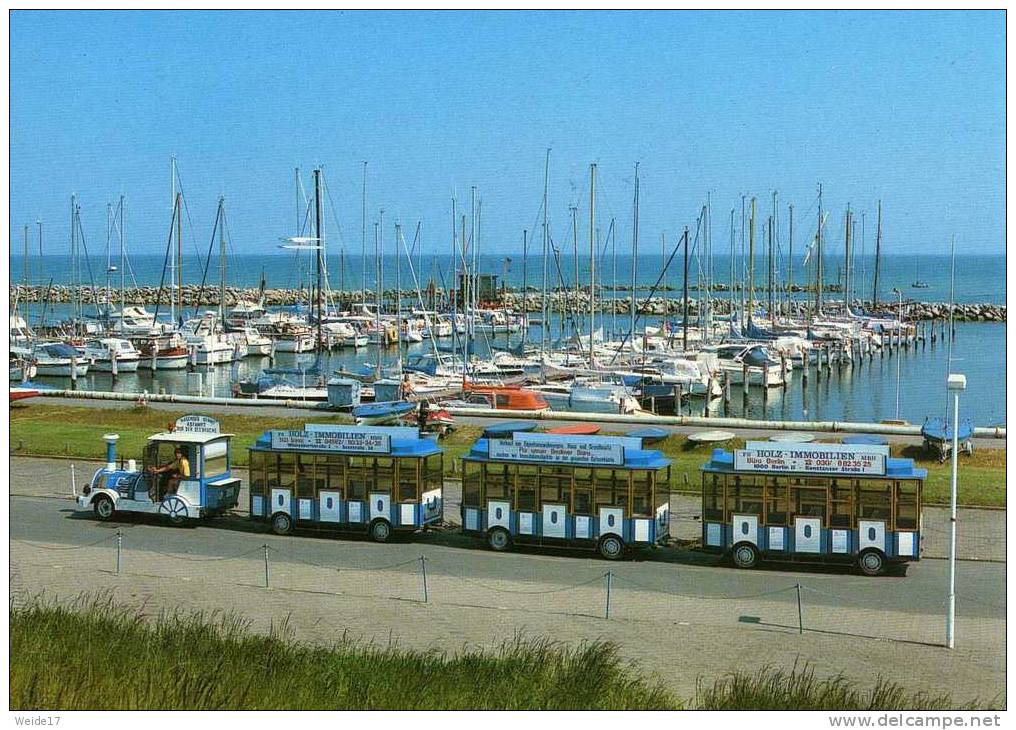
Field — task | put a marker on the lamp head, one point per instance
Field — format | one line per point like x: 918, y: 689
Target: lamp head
x: 956, y: 382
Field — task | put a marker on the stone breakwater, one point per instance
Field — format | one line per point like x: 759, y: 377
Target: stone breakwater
x: 557, y: 302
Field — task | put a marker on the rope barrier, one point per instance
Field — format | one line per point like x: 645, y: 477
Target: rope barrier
x: 67, y: 547
x: 182, y: 556
x: 561, y: 589
x: 702, y: 596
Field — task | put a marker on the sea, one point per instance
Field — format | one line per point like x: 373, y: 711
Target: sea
x: 909, y: 385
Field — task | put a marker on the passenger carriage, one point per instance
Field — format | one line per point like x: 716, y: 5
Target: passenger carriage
x: 597, y: 492
x: 812, y: 502
x: 210, y: 490
x: 371, y: 479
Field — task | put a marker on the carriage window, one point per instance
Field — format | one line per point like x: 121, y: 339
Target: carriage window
x: 384, y: 474
x: 841, y: 502
x: 555, y: 484
x: 470, y: 484
x: 285, y: 474
x: 357, y: 473
x: 304, y: 476
x: 874, y: 499
x: 641, y: 494
x: 712, y: 497
x: 776, y: 501
x: 661, y: 492
x: 497, y: 481
x: 526, y: 478
x: 334, y: 464
x: 744, y: 495
x: 611, y: 488
x: 409, y: 479
x: 257, y: 473
x: 582, y: 492
x: 808, y: 502
x: 907, y: 508
x: 435, y: 471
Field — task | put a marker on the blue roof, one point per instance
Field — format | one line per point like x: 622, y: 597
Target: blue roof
x: 633, y: 458
x: 723, y: 461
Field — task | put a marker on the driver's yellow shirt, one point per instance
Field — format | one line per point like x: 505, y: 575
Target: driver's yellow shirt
x: 182, y: 466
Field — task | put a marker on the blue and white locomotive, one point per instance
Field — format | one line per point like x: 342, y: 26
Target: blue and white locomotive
x: 204, y: 488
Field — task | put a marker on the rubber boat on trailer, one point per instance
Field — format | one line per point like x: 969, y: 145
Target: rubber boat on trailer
x: 649, y: 435
x: 576, y: 429
x: 506, y: 429
x: 938, y: 436
x: 380, y: 414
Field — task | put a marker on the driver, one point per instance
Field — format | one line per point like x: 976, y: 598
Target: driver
x: 177, y: 469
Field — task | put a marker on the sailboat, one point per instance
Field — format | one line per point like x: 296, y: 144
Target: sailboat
x: 917, y: 283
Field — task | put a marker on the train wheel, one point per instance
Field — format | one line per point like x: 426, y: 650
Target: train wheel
x: 103, y: 507
x: 745, y: 555
x: 499, y: 540
x: 611, y: 548
x: 871, y: 562
x: 282, y: 524
x: 380, y: 531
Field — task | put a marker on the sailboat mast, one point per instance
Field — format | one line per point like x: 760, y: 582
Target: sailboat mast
x: 123, y: 258
x: 878, y: 256
x: 398, y: 296
x: 377, y: 299
x: 575, y: 255
x: 222, y: 260
x: 818, y: 263
x: 592, y: 257
x: 525, y: 287
x: 751, y: 263
x: 320, y: 250
x: 179, y: 253
x: 790, y: 262
x: 684, y: 313
x: 846, y: 260
x: 543, y: 300
x: 634, y: 255
x: 363, y: 231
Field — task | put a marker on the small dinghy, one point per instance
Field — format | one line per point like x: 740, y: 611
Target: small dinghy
x: 792, y: 437
x: 710, y: 437
x: 380, y: 414
x: 576, y: 429
x: 649, y: 435
x: 938, y: 437
x: 506, y: 429
x: 866, y: 439
x: 22, y: 393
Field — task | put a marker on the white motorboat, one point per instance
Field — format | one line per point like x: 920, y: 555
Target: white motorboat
x: 101, y: 353
x: 58, y: 360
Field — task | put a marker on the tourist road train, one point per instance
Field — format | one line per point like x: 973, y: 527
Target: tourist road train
x: 769, y: 501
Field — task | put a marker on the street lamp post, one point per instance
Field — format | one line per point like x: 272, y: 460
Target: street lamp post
x: 899, y: 334
x: 956, y: 384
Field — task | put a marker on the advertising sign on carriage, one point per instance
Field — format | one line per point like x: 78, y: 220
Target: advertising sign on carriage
x: 765, y: 456
x: 350, y: 442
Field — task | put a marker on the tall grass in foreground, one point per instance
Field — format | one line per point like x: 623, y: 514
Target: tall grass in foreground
x: 770, y: 688
x: 99, y: 655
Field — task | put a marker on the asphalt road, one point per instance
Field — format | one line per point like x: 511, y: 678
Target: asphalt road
x: 678, y: 614
x: 54, y: 518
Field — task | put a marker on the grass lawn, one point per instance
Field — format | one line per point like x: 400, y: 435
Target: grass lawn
x: 97, y: 655
x: 52, y: 430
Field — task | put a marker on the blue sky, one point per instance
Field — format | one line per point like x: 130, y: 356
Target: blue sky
x: 904, y: 106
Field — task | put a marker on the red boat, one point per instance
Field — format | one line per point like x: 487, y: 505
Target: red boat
x: 576, y: 429
x: 22, y: 393
x: 507, y: 397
